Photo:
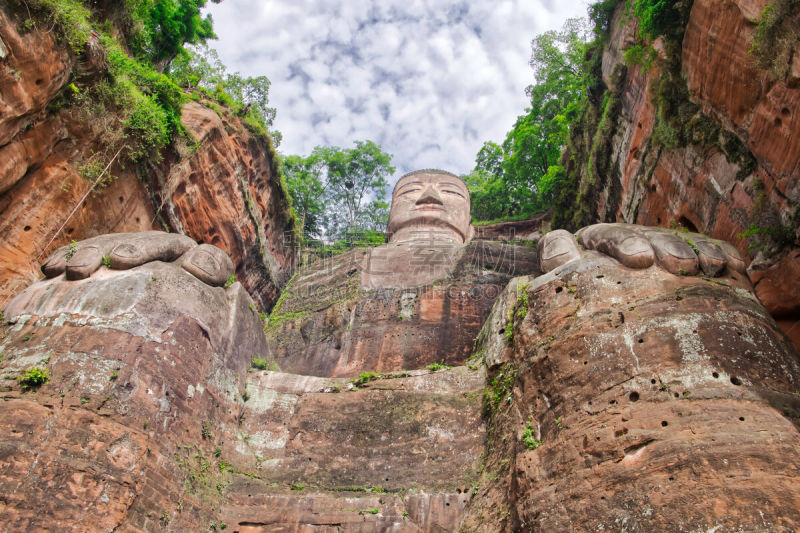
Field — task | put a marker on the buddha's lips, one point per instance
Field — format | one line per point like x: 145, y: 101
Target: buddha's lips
x: 429, y: 207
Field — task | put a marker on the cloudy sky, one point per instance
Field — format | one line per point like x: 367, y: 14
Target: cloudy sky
x: 429, y: 81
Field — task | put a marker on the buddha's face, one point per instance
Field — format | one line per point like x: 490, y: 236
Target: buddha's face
x: 430, y: 205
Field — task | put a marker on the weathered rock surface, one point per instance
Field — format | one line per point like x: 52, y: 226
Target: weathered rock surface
x: 34, y: 69
x: 228, y: 193
x: 530, y: 229
x: 745, y: 180
x: 652, y: 400
x: 137, y: 360
x: 430, y: 204
x: 225, y: 193
x: 391, y: 308
x: 400, y: 452
x: 152, y: 418
x: 639, y: 400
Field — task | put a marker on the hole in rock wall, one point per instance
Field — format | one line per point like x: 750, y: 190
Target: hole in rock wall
x: 688, y: 224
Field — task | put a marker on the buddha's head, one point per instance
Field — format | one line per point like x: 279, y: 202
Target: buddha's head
x: 430, y: 205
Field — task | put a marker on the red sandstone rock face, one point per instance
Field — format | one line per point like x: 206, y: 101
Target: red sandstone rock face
x: 137, y: 359
x: 225, y: 193
x: 416, y: 440
x: 530, y: 229
x: 31, y: 74
x: 153, y: 420
x: 657, y: 403
x: 700, y: 188
x: 338, y: 317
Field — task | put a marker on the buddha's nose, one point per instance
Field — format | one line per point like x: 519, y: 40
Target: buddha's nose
x: 429, y: 196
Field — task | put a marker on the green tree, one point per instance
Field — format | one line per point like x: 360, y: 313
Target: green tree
x: 600, y: 14
x: 515, y: 171
x: 658, y: 17
x: 253, y: 93
x: 354, y: 178
x: 172, y: 23
x: 488, y: 195
x: 373, y: 217
x: 303, y: 179
x: 539, y: 136
x: 199, y: 67
x: 490, y: 159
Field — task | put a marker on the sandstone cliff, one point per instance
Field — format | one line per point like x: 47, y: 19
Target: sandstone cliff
x: 220, y: 185
x: 152, y: 416
x: 391, y: 308
x: 641, y: 386
x: 706, y: 139
x: 627, y: 399
x: 614, y: 397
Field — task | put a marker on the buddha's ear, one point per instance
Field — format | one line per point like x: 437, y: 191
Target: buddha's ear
x: 470, y: 233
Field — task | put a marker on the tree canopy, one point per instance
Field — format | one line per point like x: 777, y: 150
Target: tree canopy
x: 510, y: 179
x: 199, y: 67
x: 356, y: 178
x: 158, y: 29
x: 303, y: 177
x: 340, y: 191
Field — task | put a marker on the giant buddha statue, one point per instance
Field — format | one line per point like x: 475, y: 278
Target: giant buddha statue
x: 429, y: 223
x: 416, y: 300
x: 632, y: 367
x: 430, y: 205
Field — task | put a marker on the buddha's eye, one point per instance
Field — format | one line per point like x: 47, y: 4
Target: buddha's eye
x: 454, y: 192
x: 409, y: 191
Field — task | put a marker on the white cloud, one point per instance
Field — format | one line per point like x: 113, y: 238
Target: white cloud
x: 428, y: 80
